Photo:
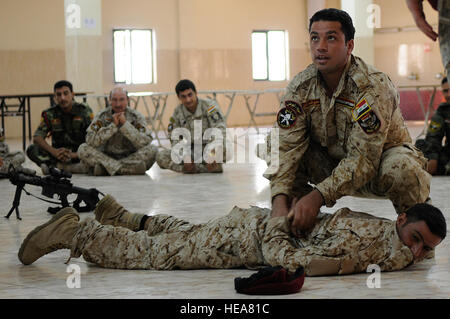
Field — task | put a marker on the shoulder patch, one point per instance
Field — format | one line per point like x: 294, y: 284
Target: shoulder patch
x: 360, y: 109
x: 434, y: 126
x: 211, y: 109
x: 366, y: 117
x: 286, y: 118
x: 140, y: 128
x: 293, y: 105
x: 97, y: 125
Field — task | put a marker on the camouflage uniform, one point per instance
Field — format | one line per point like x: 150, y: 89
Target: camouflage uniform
x: 354, y: 143
x: 113, y: 147
x: 210, y: 115
x: 444, y: 33
x: 341, y: 243
x: 66, y: 130
x: 14, y: 158
x: 431, y: 146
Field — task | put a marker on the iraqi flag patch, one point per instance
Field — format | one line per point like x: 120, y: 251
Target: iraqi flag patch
x: 286, y: 117
x: 366, y: 117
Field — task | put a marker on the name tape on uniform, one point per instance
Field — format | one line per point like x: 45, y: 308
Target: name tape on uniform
x: 345, y: 102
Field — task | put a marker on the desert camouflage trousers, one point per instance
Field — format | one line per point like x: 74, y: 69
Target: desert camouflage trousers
x: 168, y: 243
x: 90, y: 156
x: 402, y: 175
x: 16, y: 159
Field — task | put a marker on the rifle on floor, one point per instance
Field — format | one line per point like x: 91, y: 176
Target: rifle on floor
x: 57, y: 183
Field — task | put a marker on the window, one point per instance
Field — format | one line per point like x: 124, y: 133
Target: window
x: 270, y: 55
x: 134, y: 58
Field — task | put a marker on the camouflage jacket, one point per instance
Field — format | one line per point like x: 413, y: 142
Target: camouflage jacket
x: 104, y: 135
x: 360, y: 121
x: 439, y: 128
x: 207, y: 111
x: 341, y: 243
x: 66, y: 130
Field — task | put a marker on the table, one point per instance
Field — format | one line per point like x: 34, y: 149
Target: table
x: 426, y: 111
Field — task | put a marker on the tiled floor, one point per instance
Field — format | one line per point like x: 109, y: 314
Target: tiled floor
x: 196, y: 198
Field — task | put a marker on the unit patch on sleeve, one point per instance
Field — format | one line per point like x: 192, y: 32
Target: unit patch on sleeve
x: 293, y: 105
x: 434, y: 126
x: 211, y: 109
x: 366, y: 117
x: 96, y: 126
x: 286, y: 118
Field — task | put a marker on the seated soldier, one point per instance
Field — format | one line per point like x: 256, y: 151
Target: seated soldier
x: 341, y: 243
x: 7, y: 158
x: 118, y: 140
x: 438, y: 156
x: 66, y: 123
x: 199, y: 158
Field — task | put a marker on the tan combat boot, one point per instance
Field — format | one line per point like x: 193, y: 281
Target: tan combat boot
x: 109, y: 212
x: 55, y: 234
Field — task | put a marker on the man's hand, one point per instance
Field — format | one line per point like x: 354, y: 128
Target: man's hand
x: 119, y: 119
x: 432, y: 166
x: 280, y: 206
x: 416, y: 8
x: 304, y: 212
x: 62, y: 154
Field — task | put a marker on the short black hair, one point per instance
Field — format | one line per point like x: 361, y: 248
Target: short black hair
x: 62, y: 83
x: 332, y: 14
x: 444, y: 80
x: 431, y: 215
x: 184, y: 85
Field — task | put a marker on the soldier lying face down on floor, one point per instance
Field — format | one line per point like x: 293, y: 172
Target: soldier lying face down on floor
x: 345, y: 242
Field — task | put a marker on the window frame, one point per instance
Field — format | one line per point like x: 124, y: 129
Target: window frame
x: 286, y: 44
x: 152, y: 50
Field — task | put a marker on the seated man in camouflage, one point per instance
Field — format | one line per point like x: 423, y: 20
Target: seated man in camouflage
x: 439, y: 128
x: 341, y: 243
x: 7, y: 158
x: 198, y: 156
x: 118, y: 140
x: 66, y: 123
